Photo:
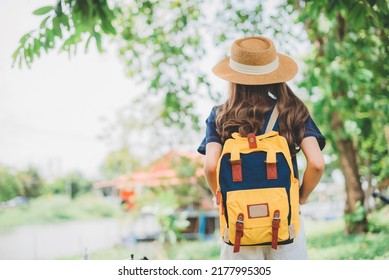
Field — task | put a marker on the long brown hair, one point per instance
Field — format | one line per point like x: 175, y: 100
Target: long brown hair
x: 245, y: 111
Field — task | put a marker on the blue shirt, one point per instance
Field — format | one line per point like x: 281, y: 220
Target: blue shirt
x: 211, y: 134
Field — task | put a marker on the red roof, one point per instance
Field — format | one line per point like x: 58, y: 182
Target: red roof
x: 161, y: 172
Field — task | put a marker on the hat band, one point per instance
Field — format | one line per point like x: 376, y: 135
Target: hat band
x: 254, y: 70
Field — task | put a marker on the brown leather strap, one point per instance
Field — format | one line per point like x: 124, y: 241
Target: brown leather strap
x: 271, y: 170
x: 218, y: 197
x: 275, y: 227
x: 238, y: 232
x: 272, y: 120
x: 252, y: 140
x: 236, y: 166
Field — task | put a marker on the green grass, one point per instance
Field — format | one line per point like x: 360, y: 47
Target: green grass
x: 195, y: 250
x: 349, y: 247
x: 54, y: 209
x: 327, y: 240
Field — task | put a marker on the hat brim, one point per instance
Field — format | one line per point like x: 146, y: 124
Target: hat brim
x: 285, y: 72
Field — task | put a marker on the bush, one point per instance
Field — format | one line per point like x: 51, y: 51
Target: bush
x: 10, y: 185
x: 378, y: 221
x: 32, y: 182
x: 73, y: 184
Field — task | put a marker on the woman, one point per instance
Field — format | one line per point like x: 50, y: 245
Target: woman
x: 257, y: 76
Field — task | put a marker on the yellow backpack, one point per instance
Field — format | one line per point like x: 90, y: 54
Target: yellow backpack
x: 258, y: 194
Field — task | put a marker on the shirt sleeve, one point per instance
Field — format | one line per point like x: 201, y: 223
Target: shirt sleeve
x: 211, y: 134
x: 311, y: 129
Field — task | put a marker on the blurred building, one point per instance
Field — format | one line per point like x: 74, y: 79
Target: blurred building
x: 167, y: 171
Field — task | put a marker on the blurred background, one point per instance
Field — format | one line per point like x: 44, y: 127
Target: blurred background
x: 103, y: 105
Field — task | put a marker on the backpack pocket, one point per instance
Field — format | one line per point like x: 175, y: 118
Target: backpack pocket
x: 258, y: 207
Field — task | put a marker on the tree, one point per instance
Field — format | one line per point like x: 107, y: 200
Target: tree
x: 141, y: 139
x: 193, y: 192
x: 77, y: 184
x: 119, y: 162
x: 348, y: 68
x: 72, y: 184
x: 58, y: 186
x: 27, y: 183
x: 163, y: 204
x: 10, y: 185
x: 32, y: 182
x: 346, y: 65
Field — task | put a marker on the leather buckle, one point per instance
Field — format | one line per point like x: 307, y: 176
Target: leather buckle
x: 238, y: 232
x: 275, y: 226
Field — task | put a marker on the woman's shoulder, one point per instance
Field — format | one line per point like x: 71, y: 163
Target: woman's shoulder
x: 311, y: 129
x: 216, y: 108
x: 213, y: 113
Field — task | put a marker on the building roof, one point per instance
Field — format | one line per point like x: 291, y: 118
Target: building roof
x: 163, y: 171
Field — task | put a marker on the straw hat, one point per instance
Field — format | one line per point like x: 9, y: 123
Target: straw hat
x: 255, y: 61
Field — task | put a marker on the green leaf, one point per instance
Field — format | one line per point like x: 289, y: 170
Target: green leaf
x: 107, y: 27
x: 43, y: 10
x: 26, y: 54
x: 58, y: 9
x: 98, y: 42
x: 69, y: 41
x: 49, y: 39
x: 57, y: 27
x: 23, y: 40
x: 64, y: 19
x: 87, y: 44
x: 20, y: 62
x: 43, y: 23
x: 37, y: 45
x: 15, y: 54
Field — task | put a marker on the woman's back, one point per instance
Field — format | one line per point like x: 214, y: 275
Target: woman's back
x: 248, y: 105
x: 257, y: 75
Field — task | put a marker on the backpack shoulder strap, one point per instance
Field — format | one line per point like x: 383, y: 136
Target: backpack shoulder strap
x: 272, y: 120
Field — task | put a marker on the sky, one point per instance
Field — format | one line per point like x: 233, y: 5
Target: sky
x: 50, y: 115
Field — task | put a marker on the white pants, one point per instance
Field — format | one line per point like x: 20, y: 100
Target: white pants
x: 293, y: 251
